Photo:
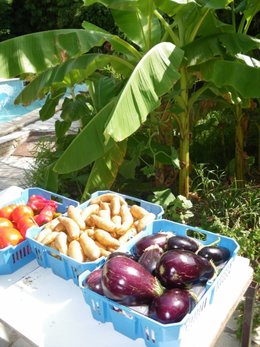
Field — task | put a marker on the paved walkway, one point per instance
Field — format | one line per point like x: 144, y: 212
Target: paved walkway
x: 13, y: 163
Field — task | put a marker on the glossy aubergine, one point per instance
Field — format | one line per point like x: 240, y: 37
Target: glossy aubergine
x: 93, y: 281
x: 150, y: 258
x: 124, y: 254
x: 180, y: 268
x: 172, y: 306
x: 128, y: 282
x: 159, y: 239
x: 182, y: 242
x: 217, y: 254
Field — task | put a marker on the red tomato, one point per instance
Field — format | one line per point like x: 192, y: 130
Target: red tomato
x: 25, y: 223
x: 9, y: 236
x: 21, y: 211
x: 6, y: 211
x: 4, y: 222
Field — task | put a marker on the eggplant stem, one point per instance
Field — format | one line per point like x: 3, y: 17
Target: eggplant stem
x: 194, y: 296
x: 216, y: 270
x: 159, y: 289
x: 214, y: 243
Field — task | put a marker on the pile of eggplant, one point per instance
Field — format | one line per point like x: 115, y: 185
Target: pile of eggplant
x: 158, y: 275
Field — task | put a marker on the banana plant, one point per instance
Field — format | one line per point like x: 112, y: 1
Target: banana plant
x: 161, y: 68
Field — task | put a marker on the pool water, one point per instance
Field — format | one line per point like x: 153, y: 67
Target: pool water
x: 9, y: 90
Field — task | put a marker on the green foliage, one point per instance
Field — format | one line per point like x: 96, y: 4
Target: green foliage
x: 177, y: 208
x: 228, y: 210
x: 28, y: 16
x: 5, y: 19
x: 233, y: 212
x: 213, y: 138
x: 163, y: 68
x: 40, y: 173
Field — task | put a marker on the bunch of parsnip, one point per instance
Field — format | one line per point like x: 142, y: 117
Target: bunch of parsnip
x: 86, y: 234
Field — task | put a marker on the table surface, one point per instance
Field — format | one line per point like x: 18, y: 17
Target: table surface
x: 51, y: 311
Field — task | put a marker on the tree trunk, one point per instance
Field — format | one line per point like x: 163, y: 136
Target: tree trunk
x: 184, y: 121
x: 184, y: 175
x: 240, y: 155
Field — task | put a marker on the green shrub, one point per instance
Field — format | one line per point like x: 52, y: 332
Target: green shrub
x: 31, y: 16
x: 5, y: 20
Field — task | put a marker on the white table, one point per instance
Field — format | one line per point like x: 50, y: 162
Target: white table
x: 51, y: 312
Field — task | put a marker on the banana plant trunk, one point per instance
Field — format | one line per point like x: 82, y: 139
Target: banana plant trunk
x: 184, y: 123
x: 240, y: 155
x: 258, y: 161
x: 184, y: 175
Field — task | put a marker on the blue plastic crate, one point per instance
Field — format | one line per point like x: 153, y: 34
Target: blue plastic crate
x: 135, y: 325
x: 13, y: 258
x: 68, y: 268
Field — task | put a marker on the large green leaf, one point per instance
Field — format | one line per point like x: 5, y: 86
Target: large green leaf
x: 141, y: 27
x: 105, y: 169
x: 36, y: 52
x: 243, y: 78
x: 103, y: 90
x: 173, y: 6
x: 86, y: 64
x: 219, y: 45
x: 88, y: 146
x: 154, y: 75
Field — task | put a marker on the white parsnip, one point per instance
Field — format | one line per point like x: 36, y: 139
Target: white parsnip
x: 107, y: 197
x: 105, y: 238
x: 49, y: 238
x: 138, y: 212
x: 99, y: 222
x: 90, y: 209
x: 127, y: 220
x: 90, y: 249
x: 75, y: 214
x: 86, y: 234
x: 115, y: 206
x: 44, y: 232
x: 105, y: 214
x: 75, y: 251
x: 143, y: 222
x: 72, y: 228
x: 60, y: 242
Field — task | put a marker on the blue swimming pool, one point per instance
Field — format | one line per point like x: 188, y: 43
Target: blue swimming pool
x: 9, y: 89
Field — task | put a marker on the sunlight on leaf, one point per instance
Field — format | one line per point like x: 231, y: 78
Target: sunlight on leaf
x: 153, y: 76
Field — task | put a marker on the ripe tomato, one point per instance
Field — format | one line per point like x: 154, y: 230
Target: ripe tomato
x: 4, y: 222
x: 25, y: 223
x: 9, y: 236
x: 6, y: 211
x: 21, y: 211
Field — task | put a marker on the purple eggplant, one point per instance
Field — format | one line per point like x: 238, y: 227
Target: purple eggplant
x: 128, y: 282
x: 93, y: 281
x: 172, y: 306
x: 217, y: 254
x: 182, y: 242
x: 124, y: 254
x: 181, y: 268
x: 159, y: 239
x: 150, y: 257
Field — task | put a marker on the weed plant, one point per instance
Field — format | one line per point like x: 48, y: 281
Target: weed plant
x: 231, y: 211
